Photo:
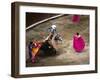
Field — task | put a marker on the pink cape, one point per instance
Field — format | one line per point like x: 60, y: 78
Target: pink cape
x: 78, y: 43
x: 75, y: 18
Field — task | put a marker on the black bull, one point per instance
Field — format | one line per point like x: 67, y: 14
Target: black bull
x: 47, y: 48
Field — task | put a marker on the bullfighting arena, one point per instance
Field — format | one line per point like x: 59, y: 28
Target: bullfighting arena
x: 65, y: 55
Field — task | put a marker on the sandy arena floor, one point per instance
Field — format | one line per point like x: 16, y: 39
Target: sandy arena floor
x: 66, y: 54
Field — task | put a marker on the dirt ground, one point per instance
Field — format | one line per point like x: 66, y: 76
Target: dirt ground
x: 66, y: 54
